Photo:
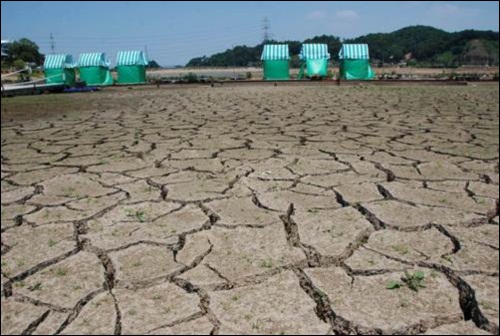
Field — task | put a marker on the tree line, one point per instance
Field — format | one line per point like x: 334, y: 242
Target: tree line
x: 417, y: 45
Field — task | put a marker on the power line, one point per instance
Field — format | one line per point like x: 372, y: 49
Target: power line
x: 195, y: 33
x: 197, y: 43
x: 166, y: 46
x: 172, y: 51
x: 173, y: 43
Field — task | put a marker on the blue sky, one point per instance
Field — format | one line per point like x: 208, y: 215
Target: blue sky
x: 177, y: 31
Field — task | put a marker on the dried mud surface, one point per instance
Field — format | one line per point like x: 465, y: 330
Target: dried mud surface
x: 257, y: 210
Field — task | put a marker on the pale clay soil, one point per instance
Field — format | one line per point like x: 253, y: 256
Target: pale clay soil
x: 256, y: 210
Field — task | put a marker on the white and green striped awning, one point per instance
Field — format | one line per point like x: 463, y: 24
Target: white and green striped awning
x: 93, y: 60
x: 354, y: 52
x: 276, y: 52
x: 314, y: 52
x: 61, y: 61
x: 125, y: 58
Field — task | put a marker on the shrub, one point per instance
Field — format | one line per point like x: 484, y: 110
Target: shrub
x: 19, y: 64
x: 191, y: 78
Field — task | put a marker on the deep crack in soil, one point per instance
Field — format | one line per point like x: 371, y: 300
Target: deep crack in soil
x: 278, y: 210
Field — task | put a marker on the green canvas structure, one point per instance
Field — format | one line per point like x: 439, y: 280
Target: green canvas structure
x: 131, y: 67
x: 60, y: 69
x: 315, y: 58
x: 355, y: 62
x: 276, y: 59
x: 94, y: 69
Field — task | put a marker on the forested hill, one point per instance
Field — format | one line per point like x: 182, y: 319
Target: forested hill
x: 419, y: 45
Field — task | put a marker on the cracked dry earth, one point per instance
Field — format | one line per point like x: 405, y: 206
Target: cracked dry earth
x: 256, y: 210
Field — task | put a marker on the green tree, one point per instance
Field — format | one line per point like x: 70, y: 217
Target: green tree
x: 19, y: 64
x: 446, y: 60
x: 25, y: 50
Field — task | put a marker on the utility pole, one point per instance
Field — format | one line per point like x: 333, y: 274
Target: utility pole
x: 52, y: 44
x: 147, y: 54
x: 234, y: 63
x: 266, y: 27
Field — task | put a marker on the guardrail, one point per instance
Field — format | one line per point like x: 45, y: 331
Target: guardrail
x: 27, y: 69
x: 30, y: 86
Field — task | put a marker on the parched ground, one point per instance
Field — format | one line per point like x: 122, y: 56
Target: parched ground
x: 256, y: 210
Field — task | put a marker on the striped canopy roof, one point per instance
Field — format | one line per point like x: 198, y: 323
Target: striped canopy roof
x: 354, y: 52
x: 314, y: 52
x: 131, y: 58
x: 59, y: 62
x: 276, y: 52
x: 93, y: 60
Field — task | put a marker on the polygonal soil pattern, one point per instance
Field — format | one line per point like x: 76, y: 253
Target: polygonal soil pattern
x: 251, y: 210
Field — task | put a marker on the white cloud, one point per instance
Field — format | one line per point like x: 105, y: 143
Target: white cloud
x: 317, y: 15
x: 347, y: 15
